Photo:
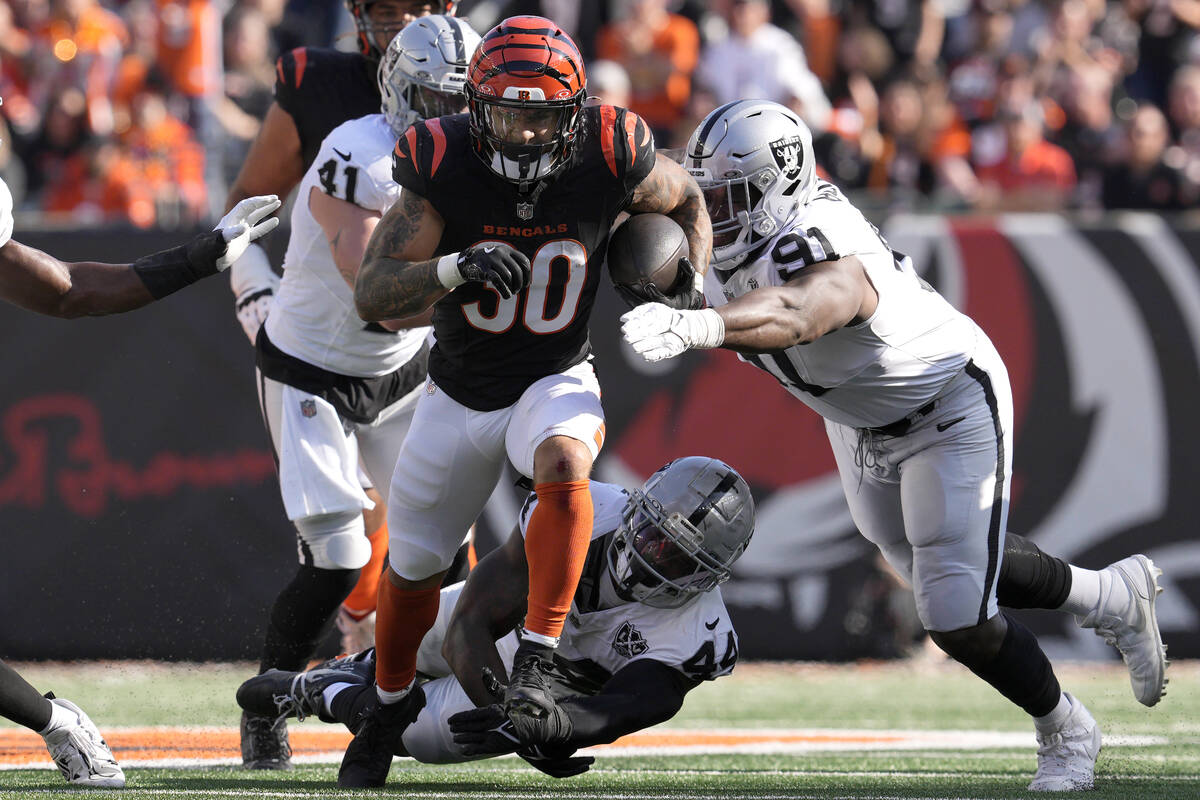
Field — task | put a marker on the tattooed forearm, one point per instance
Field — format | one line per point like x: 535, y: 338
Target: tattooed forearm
x: 668, y: 189
x: 397, y: 277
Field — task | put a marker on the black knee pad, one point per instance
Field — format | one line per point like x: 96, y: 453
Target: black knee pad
x: 1029, y: 578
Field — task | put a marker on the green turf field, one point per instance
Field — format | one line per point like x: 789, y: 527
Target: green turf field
x: 921, y: 696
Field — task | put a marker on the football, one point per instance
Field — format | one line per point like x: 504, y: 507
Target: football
x: 646, y: 249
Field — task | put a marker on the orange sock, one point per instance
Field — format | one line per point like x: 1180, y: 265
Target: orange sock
x: 556, y: 545
x: 402, y: 620
x: 365, y: 595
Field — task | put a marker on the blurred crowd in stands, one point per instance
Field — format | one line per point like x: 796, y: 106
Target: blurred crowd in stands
x: 141, y: 111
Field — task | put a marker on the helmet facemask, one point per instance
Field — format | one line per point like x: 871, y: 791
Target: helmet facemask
x: 368, y: 29
x: 657, y: 558
x: 500, y: 125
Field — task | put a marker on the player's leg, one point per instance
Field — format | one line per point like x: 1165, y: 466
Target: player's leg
x: 955, y: 491
x: 356, y: 615
x: 555, y: 434
x: 447, y: 469
x: 323, y: 498
x: 1117, y: 602
x: 74, y: 743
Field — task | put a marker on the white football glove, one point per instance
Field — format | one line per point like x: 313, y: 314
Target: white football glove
x: 657, y: 332
x: 247, y: 221
x: 253, y: 283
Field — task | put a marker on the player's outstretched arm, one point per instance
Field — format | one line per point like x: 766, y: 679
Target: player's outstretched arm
x: 821, y: 298
x: 399, y: 276
x: 40, y: 282
x: 668, y: 189
x: 492, y: 604
x: 638, y: 696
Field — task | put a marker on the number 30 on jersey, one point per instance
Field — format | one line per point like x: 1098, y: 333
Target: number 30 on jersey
x: 531, y: 304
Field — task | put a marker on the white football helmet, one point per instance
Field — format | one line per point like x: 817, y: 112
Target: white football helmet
x: 681, y: 532
x: 754, y: 161
x: 424, y: 69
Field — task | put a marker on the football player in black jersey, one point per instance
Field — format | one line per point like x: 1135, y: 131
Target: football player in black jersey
x: 316, y: 90
x: 501, y: 228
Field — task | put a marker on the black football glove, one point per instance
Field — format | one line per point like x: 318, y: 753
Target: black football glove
x: 683, y: 295
x: 558, y: 765
x: 501, y: 266
x: 488, y: 731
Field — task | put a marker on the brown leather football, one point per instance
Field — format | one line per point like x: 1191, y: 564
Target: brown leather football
x: 646, y: 249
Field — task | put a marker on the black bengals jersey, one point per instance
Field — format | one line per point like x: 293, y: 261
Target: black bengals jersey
x: 490, y: 350
x: 323, y: 88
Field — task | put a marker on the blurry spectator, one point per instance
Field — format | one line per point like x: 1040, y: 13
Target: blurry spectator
x: 1033, y: 175
x: 171, y: 160
x: 579, y: 18
x: 898, y: 170
x: 608, y: 83
x: 79, y: 45
x: 817, y: 27
x: 758, y: 60
x: 100, y: 184
x: 914, y: 28
x: 1089, y: 135
x: 658, y: 51
x: 1168, y: 29
x: 189, y: 55
x: 975, y: 79
x: 63, y: 132
x: 1143, y: 179
x: 138, y: 62
x: 15, y: 49
x: 249, y: 82
x: 699, y: 104
x: 1185, y: 113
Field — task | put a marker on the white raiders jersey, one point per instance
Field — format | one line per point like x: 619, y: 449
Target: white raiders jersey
x: 313, y: 317
x: 880, y: 370
x: 602, y: 634
x: 6, y: 213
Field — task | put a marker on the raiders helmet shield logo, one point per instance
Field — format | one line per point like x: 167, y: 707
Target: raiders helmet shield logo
x: 629, y: 641
x: 308, y: 407
x: 789, y: 156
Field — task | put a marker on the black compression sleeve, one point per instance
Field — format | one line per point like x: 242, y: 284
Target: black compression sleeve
x: 642, y: 694
x: 168, y: 271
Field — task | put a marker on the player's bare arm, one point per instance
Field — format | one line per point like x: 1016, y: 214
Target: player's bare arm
x: 820, y: 299
x: 274, y: 164
x: 492, y: 604
x: 670, y: 190
x: 399, y: 276
x: 40, y: 282
x: 348, y: 228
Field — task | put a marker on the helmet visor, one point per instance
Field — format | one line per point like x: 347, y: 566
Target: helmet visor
x: 430, y: 103
x: 530, y: 125
x: 729, y: 205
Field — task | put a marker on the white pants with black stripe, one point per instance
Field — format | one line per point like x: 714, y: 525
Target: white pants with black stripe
x: 935, y: 501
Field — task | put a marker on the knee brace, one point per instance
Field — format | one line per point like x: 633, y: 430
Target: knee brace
x: 334, y: 541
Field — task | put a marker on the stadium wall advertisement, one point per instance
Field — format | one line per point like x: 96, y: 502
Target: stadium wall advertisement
x: 141, y: 515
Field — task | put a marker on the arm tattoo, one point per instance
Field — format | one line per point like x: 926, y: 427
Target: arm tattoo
x: 390, y: 287
x: 669, y: 190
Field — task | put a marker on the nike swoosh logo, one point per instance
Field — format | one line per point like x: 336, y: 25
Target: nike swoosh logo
x: 713, y: 624
x: 345, y: 156
x: 944, y: 425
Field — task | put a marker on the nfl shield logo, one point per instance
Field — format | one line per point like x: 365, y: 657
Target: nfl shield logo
x: 525, y: 211
x: 308, y: 408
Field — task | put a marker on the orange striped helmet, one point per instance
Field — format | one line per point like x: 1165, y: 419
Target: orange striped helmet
x: 525, y: 89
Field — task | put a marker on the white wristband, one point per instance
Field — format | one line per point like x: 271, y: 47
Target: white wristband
x: 709, y: 329
x: 447, y: 271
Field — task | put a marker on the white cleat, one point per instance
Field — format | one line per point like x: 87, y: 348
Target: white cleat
x: 1067, y: 756
x: 81, y: 753
x: 1127, y: 620
x: 357, y: 634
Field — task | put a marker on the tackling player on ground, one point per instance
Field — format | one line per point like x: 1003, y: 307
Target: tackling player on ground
x: 918, y: 409
x: 336, y: 392
x: 647, y: 625
x: 317, y: 89
x: 35, y: 280
x: 501, y: 228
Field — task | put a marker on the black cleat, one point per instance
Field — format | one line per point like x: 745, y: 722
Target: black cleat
x: 278, y: 693
x: 265, y: 742
x: 369, y: 756
x: 528, y: 690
